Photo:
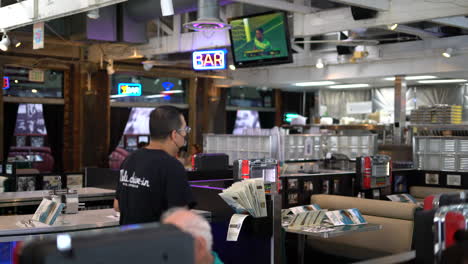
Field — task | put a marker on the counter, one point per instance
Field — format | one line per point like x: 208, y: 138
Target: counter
x: 8, y: 199
x: 84, y: 220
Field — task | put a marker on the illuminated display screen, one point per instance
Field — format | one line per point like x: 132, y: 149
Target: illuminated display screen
x: 129, y: 89
x: 260, y: 39
x: 209, y: 60
x: 6, y: 83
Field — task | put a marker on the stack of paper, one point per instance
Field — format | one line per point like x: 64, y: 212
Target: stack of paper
x: 47, y: 212
x: 345, y: 217
x: 404, y: 198
x: 247, y: 196
x: 308, y: 219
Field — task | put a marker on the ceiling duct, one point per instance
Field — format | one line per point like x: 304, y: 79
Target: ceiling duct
x: 208, y: 17
x: 144, y: 10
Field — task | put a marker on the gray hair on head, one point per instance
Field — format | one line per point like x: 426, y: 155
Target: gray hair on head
x: 198, y: 226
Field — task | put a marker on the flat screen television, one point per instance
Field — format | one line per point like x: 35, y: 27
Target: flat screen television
x: 261, y: 39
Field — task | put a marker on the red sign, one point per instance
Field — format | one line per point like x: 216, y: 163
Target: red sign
x: 6, y: 83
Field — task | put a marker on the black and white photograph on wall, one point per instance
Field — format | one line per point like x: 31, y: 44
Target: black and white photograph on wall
x: 308, y: 186
x: 326, y: 186
x: 376, y: 194
x: 246, y: 119
x: 26, y: 184
x: 401, y: 185
x: 52, y: 182
x: 432, y: 178
x: 293, y: 184
x: 138, y: 122
x: 293, y: 198
x: 132, y: 142
x: 37, y: 141
x: 336, y: 186
x: 30, y: 120
x: 20, y: 141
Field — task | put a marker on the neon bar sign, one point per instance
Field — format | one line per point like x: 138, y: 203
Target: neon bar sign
x: 129, y: 89
x: 6, y: 83
x: 209, y: 59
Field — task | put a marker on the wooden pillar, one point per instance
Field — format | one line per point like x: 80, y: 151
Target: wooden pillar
x: 96, y: 120
x: 214, y: 114
x: 194, y: 102
x: 72, y: 119
x: 278, y: 108
x: 400, y: 110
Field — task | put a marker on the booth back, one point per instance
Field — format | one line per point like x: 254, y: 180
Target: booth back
x: 45, y: 166
x: 117, y: 157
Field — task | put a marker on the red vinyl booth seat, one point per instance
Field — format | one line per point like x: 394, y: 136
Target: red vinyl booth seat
x: 47, y: 165
x: 117, y: 157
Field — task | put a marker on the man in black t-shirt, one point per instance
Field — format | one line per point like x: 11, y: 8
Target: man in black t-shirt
x: 152, y: 180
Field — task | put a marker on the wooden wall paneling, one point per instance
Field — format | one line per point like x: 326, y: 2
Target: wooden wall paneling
x: 278, y: 108
x: 96, y: 113
x: 73, y: 119
x: 193, y: 110
x: 214, y: 114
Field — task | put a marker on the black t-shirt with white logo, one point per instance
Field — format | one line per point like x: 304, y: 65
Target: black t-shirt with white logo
x: 151, y: 181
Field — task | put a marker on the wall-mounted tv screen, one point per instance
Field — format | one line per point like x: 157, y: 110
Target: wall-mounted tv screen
x: 261, y: 39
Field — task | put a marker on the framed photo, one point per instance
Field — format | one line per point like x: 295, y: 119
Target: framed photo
x: 20, y: 141
x: 432, y: 178
x: 74, y: 181
x: 453, y: 180
x: 326, y: 186
x: 308, y: 186
x: 401, y: 185
x: 25, y: 183
x: 293, y: 184
x: 52, y: 182
x: 293, y: 198
x: 336, y: 186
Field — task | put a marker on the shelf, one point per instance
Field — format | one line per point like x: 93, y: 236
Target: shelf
x: 343, y: 127
x: 458, y: 127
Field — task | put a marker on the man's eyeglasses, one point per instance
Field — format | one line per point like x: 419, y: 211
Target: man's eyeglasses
x: 186, y: 129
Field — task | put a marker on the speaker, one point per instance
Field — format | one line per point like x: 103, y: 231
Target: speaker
x: 362, y: 13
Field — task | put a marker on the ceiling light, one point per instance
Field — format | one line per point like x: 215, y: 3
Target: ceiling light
x: 16, y: 81
x: 392, y: 26
x: 5, y: 42
x: 447, y: 53
x: 147, y: 66
x: 356, y: 85
x: 167, y: 8
x: 208, y: 17
x: 173, y: 92
x: 443, y: 81
x: 34, y: 91
x: 18, y: 44
x: 319, y: 64
x: 118, y: 95
x: 232, y: 67
x: 321, y: 83
x: 155, y: 96
x: 93, y: 14
x: 413, y: 78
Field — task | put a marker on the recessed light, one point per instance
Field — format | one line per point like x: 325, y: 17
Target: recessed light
x: 392, y: 26
x: 232, y: 67
x: 356, y: 85
x: 320, y: 83
x: 447, y: 53
x: 443, y: 81
x: 413, y: 78
x: 34, y: 91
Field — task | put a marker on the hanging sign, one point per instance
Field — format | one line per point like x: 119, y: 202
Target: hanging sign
x: 209, y: 59
x: 38, y: 35
x: 129, y: 89
x: 6, y: 83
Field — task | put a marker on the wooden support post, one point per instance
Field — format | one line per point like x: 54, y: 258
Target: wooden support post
x: 2, y: 121
x: 279, y: 108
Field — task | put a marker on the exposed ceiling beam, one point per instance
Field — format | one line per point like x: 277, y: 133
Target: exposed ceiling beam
x: 400, y: 12
x: 281, y: 5
x: 424, y: 34
x: 32, y: 11
x: 379, y: 5
x: 459, y: 21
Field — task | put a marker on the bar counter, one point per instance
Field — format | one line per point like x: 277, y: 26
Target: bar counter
x: 8, y: 199
x: 84, y: 220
